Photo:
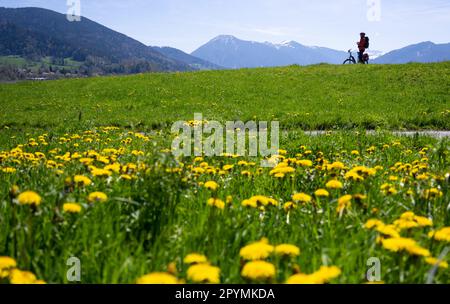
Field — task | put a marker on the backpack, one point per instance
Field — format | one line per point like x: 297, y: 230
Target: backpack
x: 367, y: 44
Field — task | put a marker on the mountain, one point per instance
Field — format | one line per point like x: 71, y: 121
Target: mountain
x: 193, y: 62
x: 421, y: 52
x: 34, y: 33
x: 231, y: 52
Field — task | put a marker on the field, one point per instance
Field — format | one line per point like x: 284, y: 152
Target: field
x: 86, y: 171
x: 414, y: 96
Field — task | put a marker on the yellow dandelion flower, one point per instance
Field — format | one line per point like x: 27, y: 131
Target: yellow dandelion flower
x: 211, y: 185
x: 334, y: 184
x: 215, y: 202
x: 322, y: 193
x: 405, y: 244
x: 301, y: 198
x: 442, y: 235
x: 257, y: 251
x: 301, y: 279
x: 326, y: 274
x: 158, y: 278
x: 344, y: 202
x: 289, y: 206
x: 195, y: 258
x: 204, y: 273
x: 17, y: 276
x: 72, y: 208
x: 287, y: 250
x: 304, y: 163
x: 258, y: 271
x: 29, y: 198
x: 7, y: 263
x: 373, y: 223
x: 436, y: 262
x: 97, y: 197
x: 82, y: 180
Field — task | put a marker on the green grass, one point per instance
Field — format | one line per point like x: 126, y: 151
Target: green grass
x: 413, y: 96
x: 161, y: 214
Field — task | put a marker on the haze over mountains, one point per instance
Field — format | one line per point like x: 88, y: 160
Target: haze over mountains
x: 44, y: 42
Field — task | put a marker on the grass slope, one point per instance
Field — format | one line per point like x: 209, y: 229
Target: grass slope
x: 412, y: 96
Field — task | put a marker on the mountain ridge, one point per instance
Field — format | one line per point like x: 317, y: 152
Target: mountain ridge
x: 109, y: 50
x: 232, y: 52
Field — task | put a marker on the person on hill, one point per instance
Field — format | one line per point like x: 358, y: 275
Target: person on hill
x: 362, y: 45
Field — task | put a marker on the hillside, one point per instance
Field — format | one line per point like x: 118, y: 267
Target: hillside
x: 34, y: 33
x: 422, y: 52
x: 315, y: 97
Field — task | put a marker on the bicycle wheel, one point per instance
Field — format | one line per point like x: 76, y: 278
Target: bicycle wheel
x: 349, y: 61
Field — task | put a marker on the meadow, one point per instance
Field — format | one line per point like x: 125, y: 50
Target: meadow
x: 413, y: 96
x: 86, y: 171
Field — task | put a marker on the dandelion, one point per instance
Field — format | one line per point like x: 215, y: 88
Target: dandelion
x: 195, y: 258
x: 301, y: 198
x: 211, y: 185
x: 373, y: 223
x: 97, y: 197
x: 405, y: 244
x: 246, y: 173
x: 29, y: 198
x: 258, y: 271
x: 327, y: 273
x: 304, y: 163
x: 389, y: 230
x: 228, y: 168
x: 289, y: 206
x: 321, y: 193
x: 215, y: 202
x: 23, y: 277
x: 334, y: 184
x: 344, y: 202
x: 287, y: 250
x: 101, y: 172
x: 82, y: 180
x: 442, y: 235
x: 436, y: 262
x: 324, y: 275
x: 432, y: 193
x: 204, y: 273
x: 158, y: 278
x: 72, y: 208
x: 257, y: 251
x: 7, y: 263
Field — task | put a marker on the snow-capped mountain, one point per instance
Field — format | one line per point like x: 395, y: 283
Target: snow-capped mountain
x: 231, y: 52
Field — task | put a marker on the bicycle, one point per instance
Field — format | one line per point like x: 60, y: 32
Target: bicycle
x: 352, y: 60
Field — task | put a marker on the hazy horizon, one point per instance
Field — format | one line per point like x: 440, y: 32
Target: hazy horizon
x: 187, y: 26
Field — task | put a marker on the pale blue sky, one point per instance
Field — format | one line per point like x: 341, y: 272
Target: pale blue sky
x: 187, y: 24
